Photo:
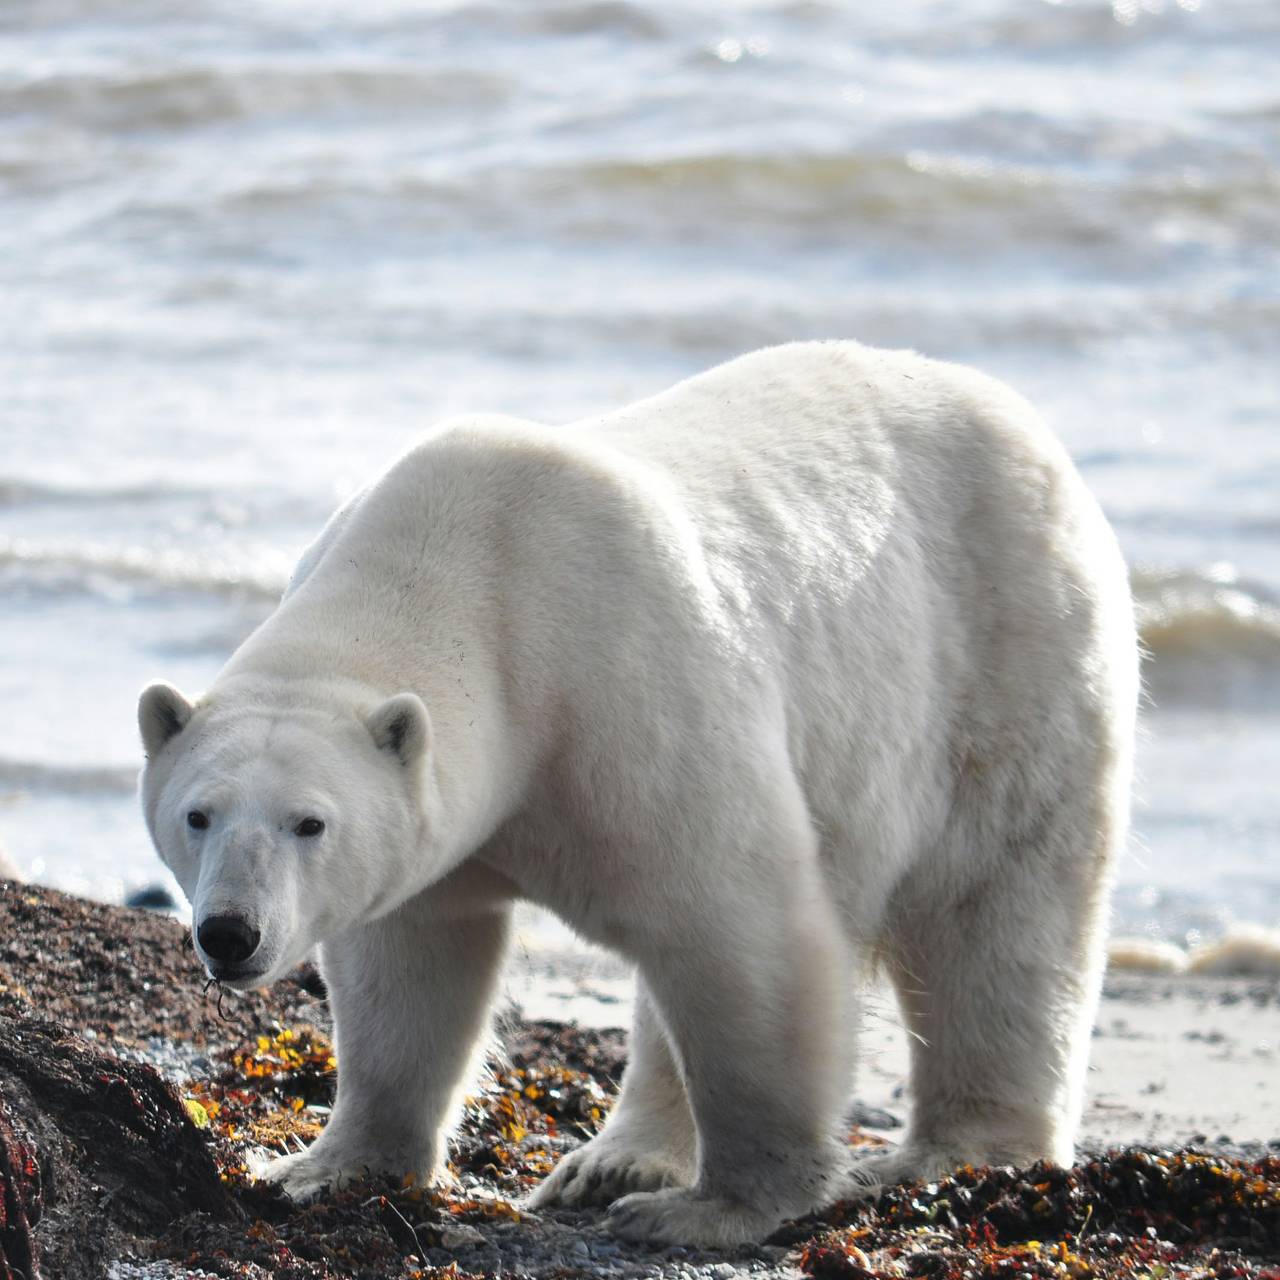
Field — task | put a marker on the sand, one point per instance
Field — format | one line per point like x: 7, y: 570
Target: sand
x: 1175, y: 1058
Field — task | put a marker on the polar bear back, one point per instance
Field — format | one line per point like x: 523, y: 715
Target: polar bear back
x: 910, y: 534
x: 882, y: 569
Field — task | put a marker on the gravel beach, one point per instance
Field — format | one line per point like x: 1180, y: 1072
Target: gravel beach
x: 1175, y: 1058
x: 132, y: 1108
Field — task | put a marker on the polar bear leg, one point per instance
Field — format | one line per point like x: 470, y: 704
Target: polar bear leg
x: 998, y: 991
x: 649, y: 1140
x: 410, y: 995
x: 752, y: 999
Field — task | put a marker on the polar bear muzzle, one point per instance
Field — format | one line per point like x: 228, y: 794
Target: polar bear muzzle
x: 228, y: 940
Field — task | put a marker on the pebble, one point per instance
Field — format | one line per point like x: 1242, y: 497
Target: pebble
x: 866, y: 1117
x: 461, y: 1236
x: 178, y: 1063
x: 154, y: 897
x: 773, y: 1252
x: 127, y: 1269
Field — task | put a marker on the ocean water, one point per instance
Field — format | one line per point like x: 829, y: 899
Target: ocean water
x: 249, y: 251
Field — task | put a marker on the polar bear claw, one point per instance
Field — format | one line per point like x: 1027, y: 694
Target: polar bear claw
x: 599, y: 1172
x: 305, y: 1175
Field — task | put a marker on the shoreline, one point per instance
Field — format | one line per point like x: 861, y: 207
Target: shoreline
x: 109, y: 1171
x: 1175, y: 1058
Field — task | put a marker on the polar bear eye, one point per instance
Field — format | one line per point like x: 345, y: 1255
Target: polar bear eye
x: 197, y: 821
x: 309, y: 827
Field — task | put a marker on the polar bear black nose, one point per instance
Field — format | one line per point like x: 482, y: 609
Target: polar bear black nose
x: 227, y: 939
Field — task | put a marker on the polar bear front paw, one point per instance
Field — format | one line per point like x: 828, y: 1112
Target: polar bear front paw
x: 679, y: 1216
x: 308, y: 1174
x: 604, y: 1169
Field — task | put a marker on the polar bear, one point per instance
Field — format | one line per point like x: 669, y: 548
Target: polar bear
x: 823, y: 657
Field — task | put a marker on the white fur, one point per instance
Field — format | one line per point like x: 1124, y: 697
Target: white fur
x: 823, y: 655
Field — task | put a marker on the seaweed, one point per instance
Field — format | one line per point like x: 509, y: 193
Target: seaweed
x: 272, y: 1091
x: 21, y: 1197
x: 101, y: 1158
x: 95, y: 1152
x: 1136, y: 1213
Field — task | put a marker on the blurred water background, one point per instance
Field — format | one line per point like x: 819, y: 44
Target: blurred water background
x: 249, y: 250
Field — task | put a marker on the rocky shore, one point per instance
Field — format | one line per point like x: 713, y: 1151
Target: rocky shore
x: 133, y: 1104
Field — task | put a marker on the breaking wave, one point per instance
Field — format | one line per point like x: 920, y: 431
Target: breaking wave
x: 197, y: 95
x: 17, y: 491
x: 1242, y: 951
x: 1210, y: 639
x: 26, y: 775
x: 71, y: 567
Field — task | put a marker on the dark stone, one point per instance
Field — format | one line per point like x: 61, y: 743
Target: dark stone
x: 96, y: 1151
x: 21, y: 1197
x: 866, y: 1117
x: 151, y: 897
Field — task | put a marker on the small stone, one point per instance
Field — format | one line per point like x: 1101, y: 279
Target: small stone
x: 866, y: 1117
x: 154, y: 897
x: 461, y: 1236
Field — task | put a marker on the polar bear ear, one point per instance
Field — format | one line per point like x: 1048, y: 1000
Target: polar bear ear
x: 402, y: 726
x: 162, y: 714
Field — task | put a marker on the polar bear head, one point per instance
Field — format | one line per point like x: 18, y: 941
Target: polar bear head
x: 285, y: 822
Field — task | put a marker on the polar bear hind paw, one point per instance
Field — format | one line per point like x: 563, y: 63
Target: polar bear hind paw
x: 681, y: 1216
x: 598, y: 1172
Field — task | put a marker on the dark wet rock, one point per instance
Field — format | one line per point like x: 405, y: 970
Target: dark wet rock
x: 21, y: 1196
x: 96, y: 1153
x: 151, y: 897
x: 866, y: 1117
